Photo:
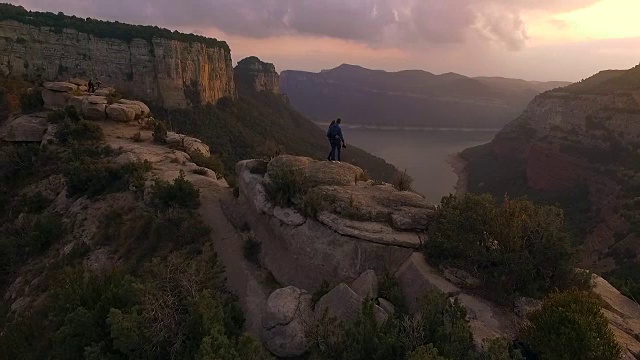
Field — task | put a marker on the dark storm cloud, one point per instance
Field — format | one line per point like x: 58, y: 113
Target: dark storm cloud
x: 389, y: 22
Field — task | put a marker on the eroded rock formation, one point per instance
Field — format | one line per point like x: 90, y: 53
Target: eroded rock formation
x: 252, y: 73
x: 162, y: 71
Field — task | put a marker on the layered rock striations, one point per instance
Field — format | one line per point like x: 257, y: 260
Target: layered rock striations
x: 170, y: 73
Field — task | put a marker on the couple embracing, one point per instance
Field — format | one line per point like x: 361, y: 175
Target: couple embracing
x: 334, y: 134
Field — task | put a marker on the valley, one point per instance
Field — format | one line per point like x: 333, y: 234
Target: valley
x: 185, y: 209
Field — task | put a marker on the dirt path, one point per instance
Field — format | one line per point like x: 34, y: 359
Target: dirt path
x: 243, y: 278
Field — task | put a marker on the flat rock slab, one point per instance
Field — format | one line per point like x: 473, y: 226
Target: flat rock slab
x: 487, y: 321
x: 370, y: 231
x: 26, y: 128
x: 289, y: 216
x: 60, y: 86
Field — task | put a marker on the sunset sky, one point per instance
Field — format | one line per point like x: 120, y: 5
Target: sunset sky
x: 530, y: 39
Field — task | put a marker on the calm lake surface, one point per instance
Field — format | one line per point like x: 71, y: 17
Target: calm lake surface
x: 425, y: 153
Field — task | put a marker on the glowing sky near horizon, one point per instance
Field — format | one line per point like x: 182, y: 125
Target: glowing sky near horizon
x: 530, y: 39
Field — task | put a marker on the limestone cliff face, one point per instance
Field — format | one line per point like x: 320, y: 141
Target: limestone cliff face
x: 579, y: 149
x: 168, y: 72
x: 253, y: 74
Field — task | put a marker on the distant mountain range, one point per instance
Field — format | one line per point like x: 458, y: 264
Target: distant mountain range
x: 409, y: 98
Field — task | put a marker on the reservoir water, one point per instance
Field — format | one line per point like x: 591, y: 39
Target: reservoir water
x: 424, y: 152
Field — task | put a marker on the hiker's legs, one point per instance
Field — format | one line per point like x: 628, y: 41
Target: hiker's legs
x: 330, y: 157
x: 335, y: 148
x: 338, y: 150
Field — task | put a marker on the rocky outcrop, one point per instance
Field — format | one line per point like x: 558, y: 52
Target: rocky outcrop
x: 27, y: 128
x: 161, y: 71
x: 623, y: 315
x: 366, y: 286
x: 290, y: 315
x: 283, y: 324
x: 344, y: 305
x: 330, y: 247
x: 574, y: 148
x: 120, y: 113
x: 254, y: 74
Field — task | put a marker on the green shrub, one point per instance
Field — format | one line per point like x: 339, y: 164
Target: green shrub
x: 31, y: 101
x: 402, y: 181
x: 389, y: 289
x: 180, y: 194
x: 56, y: 117
x: 570, y: 325
x: 444, y: 324
x: 286, y: 187
x: 200, y: 171
x: 251, y: 250
x: 72, y: 113
x: 212, y: 162
x: 46, y: 230
x: 159, y: 132
x: 515, y: 248
x: 95, y: 179
x: 425, y: 353
x: 34, y: 203
x: 82, y: 132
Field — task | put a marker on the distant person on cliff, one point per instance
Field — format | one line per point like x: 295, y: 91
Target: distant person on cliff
x: 90, y: 87
x: 333, y: 122
x: 336, y: 139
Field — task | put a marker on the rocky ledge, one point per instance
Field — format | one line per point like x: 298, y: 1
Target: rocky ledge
x: 359, y: 225
x: 93, y: 106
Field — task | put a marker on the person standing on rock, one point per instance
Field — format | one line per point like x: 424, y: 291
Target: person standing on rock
x: 337, y: 141
x: 90, y: 87
x: 333, y: 122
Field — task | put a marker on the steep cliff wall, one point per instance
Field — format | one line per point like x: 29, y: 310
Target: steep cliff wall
x: 578, y: 147
x: 168, y: 72
x: 253, y: 74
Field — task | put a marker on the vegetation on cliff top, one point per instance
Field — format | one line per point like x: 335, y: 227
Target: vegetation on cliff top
x: 259, y: 125
x: 102, y: 29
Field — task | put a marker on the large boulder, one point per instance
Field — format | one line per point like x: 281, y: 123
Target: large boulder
x: 27, y: 128
x: 78, y: 82
x: 191, y: 145
x: 329, y: 173
x: 366, y: 285
x: 105, y: 91
x: 76, y: 101
x: 288, y: 162
x: 143, y: 108
x: 120, y: 113
x: 55, y: 100
x: 314, y: 251
x: 623, y: 315
x: 94, y: 99
x: 284, y: 321
x: 487, y: 320
x: 416, y: 279
x: 343, y: 304
x: 60, y: 86
x: 94, y: 111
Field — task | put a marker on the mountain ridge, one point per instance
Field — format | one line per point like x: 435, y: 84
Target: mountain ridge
x: 408, y: 97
